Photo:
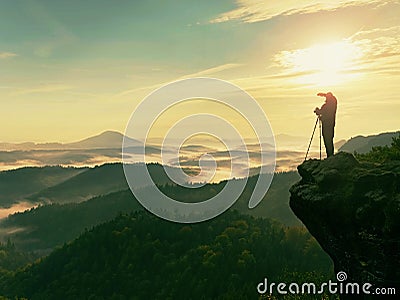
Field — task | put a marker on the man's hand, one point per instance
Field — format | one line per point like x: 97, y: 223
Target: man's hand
x: 321, y: 94
x: 317, y: 111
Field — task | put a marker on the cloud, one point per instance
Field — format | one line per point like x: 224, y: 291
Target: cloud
x: 206, y: 72
x: 43, y: 89
x: 17, y: 207
x: 250, y: 11
x: 139, y: 89
x: 213, y: 70
x: 4, y: 55
x: 378, y: 43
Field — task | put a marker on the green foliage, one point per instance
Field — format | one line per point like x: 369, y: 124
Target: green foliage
x: 139, y: 256
x: 275, y: 204
x: 43, y: 228
x: 48, y: 226
x: 95, y: 181
x: 382, y: 154
x: 11, y: 258
x: 16, y: 185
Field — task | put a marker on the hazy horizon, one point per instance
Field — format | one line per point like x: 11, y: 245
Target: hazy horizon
x: 106, y: 148
x: 65, y: 78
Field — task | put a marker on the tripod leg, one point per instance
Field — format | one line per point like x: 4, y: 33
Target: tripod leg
x: 315, y: 126
x: 320, y: 147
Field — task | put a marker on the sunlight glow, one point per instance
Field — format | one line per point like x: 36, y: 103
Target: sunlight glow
x: 323, y: 64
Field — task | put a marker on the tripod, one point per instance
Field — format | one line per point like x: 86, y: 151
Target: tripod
x: 312, y: 136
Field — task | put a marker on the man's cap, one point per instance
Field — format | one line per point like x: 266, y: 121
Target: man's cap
x: 328, y: 94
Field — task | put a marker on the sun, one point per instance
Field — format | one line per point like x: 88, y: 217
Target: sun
x: 322, y: 64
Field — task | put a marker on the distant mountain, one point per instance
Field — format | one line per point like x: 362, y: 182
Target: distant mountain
x: 52, y: 157
x: 364, y: 144
x: 103, y: 148
x: 105, y: 140
x: 339, y: 144
x: 17, y: 185
x: 16, y: 146
x: 107, y: 148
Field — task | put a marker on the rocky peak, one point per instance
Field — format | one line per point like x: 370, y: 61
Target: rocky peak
x: 353, y: 210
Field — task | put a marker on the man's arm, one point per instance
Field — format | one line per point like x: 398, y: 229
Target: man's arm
x: 319, y: 111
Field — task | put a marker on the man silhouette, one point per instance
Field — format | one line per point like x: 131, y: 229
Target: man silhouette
x: 327, y: 115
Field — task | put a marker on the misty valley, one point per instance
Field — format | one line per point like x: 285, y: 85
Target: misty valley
x: 76, y: 227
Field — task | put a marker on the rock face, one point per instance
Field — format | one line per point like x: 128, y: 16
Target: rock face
x: 353, y: 210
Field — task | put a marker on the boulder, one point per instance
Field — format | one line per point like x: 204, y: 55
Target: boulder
x: 353, y: 210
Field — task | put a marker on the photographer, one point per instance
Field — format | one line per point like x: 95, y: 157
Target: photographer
x: 327, y: 115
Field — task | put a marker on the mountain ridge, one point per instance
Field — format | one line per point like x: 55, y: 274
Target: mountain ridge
x: 106, y: 139
x: 17, y: 185
x: 364, y: 144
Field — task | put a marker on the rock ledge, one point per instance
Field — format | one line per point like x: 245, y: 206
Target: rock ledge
x: 353, y: 210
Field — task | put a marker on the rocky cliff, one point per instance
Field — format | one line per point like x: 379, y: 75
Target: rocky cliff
x: 353, y: 210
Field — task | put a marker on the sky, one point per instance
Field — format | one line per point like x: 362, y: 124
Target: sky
x: 72, y: 69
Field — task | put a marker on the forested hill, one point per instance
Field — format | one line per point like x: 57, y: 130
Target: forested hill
x: 17, y: 185
x: 41, y: 229
x: 47, y: 185
x: 139, y: 256
x: 364, y: 144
